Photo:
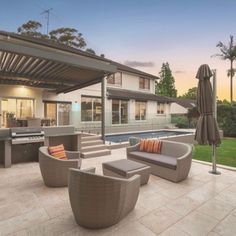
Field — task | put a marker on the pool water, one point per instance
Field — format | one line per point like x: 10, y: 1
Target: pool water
x: 118, y: 138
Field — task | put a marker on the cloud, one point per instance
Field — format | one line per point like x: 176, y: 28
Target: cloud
x: 139, y: 63
x: 179, y: 72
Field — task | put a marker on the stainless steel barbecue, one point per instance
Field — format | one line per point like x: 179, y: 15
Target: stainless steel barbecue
x: 27, y: 135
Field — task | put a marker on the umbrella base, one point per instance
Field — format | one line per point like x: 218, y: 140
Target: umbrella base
x: 215, y: 172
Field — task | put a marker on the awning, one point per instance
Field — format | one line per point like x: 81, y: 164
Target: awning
x: 45, y: 64
x: 140, y: 96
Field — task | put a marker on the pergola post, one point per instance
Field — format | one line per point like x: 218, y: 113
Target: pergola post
x: 103, y: 95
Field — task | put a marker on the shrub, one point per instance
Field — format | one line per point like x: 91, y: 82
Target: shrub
x: 223, y: 111
x: 133, y: 141
x: 182, y: 122
x: 229, y: 124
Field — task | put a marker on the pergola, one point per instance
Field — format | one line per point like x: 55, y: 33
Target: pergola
x: 43, y: 63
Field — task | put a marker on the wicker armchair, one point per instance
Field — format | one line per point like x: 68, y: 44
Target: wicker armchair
x: 101, y: 201
x: 55, y: 171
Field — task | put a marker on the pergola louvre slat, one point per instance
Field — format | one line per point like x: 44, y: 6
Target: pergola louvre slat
x: 21, y: 64
x: 44, y: 68
x: 16, y: 63
x: 32, y: 64
x: 50, y: 68
x: 27, y: 65
x: 37, y: 67
x: 8, y: 63
x: 2, y: 60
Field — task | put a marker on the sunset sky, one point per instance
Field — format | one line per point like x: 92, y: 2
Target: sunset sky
x: 143, y: 33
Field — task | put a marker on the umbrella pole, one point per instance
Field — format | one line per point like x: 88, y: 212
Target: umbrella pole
x: 214, y: 169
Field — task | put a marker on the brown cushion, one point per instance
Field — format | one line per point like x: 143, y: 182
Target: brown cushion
x: 123, y: 166
x: 156, y: 159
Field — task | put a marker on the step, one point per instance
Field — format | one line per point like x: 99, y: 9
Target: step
x: 98, y: 153
x: 94, y: 148
x: 91, y: 137
x: 91, y: 143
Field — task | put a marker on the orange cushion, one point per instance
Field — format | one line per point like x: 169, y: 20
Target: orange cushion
x: 57, y: 151
x: 150, y: 145
x: 157, y: 146
x: 142, y: 144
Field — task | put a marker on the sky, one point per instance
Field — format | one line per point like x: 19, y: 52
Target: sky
x: 142, y: 33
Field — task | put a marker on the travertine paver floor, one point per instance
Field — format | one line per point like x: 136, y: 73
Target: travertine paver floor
x: 203, y: 204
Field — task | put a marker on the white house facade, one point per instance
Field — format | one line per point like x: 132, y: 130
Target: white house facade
x: 130, y: 100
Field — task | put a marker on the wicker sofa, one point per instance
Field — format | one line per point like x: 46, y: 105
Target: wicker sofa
x: 55, y: 171
x: 101, y: 201
x: 173, y: 163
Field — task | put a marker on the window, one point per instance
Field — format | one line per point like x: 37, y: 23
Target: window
x: 115, y: 79
x: 160, y: 108
x: 15, y: 109
x: 140, y: 110
x: 50, y: 111
x: 119, y: 112
x: 144, y: 83
x: 91, y: 109
x: 64, y: 110
x: 58, y: 113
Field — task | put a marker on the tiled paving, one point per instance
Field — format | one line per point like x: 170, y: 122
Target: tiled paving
x: 203, y: 204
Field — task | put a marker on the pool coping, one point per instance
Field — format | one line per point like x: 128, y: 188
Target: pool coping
x: 113, y: 145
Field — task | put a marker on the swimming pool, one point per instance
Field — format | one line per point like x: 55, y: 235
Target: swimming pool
x: 119, y: 138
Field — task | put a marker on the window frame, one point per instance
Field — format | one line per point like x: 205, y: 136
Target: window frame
x: 93, y: 109
x: 2, y: 124
x: 119, y: 111
x: 140, y: 103
x: 113, y: 76
x: 57, y: 104
x: 159, y: 110
x: 142, y: 83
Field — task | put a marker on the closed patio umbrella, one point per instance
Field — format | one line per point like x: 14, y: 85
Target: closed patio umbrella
x: 207, y: 131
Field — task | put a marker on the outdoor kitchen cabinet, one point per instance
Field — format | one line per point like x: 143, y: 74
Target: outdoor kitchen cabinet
x: 63, y: 135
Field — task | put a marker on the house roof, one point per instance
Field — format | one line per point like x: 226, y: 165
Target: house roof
x: 186, y: 103
x: 60, y: 46
x: 114, y: 93
x: 128, y: 69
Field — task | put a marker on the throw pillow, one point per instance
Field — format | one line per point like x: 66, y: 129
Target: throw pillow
x: 142, y: 145
x: 157, y: 146
x: 57, y: 151
x: 150, y: 145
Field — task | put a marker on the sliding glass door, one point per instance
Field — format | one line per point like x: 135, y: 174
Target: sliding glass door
x: 119, y: 111
x: 15, y: 110
x: 58, y: 113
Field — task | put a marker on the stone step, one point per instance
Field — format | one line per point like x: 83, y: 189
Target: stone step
x: 91, y: 143
x: 98, y: 153
x: 91, y: 137
x: 93, y: 148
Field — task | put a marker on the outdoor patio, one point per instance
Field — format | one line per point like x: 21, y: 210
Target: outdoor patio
x: 203, y: 204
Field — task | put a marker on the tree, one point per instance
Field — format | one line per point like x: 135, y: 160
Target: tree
x: 31, y: 28
x: 90, y: 50
x: 228, y: 53
x: 68, y: 36
x: 192, y: 116
x: 190, y: 94
x: 166, y: 86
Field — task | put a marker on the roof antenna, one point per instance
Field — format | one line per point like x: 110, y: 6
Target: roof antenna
x: 47, y: 13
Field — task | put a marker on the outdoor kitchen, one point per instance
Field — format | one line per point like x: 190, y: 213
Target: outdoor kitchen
x: 21, y: 144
